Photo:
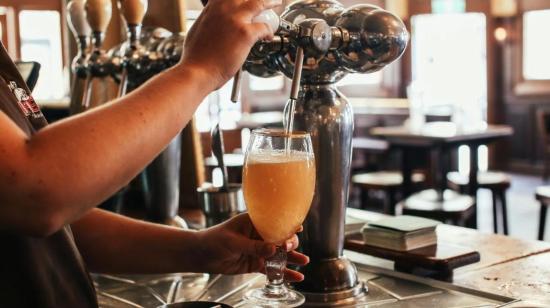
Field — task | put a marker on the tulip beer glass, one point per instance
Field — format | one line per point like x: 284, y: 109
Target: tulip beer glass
x: 278, y: 183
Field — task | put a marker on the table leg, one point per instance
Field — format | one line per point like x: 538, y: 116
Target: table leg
x: 542, y: 221
x: 472, y: 184
x: 406, y: 172
x: 437, y: 170
x: 474, y: 168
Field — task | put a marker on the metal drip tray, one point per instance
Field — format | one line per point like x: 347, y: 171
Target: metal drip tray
x: 386, y: 288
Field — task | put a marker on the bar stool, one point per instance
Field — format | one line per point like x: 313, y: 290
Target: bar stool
x: 543, y: 196
x: 387, y: 181
x: 448, y: 207
x: 497, y: 182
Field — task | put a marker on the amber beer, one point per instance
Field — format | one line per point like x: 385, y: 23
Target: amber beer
x: 278, y: 189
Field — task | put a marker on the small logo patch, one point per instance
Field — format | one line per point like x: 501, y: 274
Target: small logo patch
x: 25, y: 101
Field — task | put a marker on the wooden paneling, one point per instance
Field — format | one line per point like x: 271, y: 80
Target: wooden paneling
x: 520, y: 109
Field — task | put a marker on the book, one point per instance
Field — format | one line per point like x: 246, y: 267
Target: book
x: 401, y: 233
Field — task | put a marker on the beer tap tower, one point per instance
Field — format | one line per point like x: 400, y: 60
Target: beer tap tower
x: 76, y: 18
x: 333, y: 42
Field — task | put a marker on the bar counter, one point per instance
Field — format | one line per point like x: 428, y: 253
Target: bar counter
x: 511, y: 273
x: 509, y: 266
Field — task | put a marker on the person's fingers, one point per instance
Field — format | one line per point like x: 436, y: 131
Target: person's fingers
x: 251, y: 8
x: 257, y: 265
x: 293, y: 276
x: 297, y: 258
x: 258, y: 249
x: 292, y: 243
x: 259, y: 31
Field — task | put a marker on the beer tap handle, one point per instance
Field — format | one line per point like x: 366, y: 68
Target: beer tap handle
x: 98, y: 14
x: 76, y: 18
x: 133, y: 12
x: 270, y: 18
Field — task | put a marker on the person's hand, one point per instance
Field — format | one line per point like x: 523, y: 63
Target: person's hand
x: 222, y: 36
x: 234, y: 247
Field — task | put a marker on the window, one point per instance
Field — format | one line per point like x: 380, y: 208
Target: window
x: 449, y: 79
x: 43, y: 45
x: 267, y: 84
x: 536, y: 45
x: 448, y: 6
x: 218, y: 107
x: 440, y: 63
x: 361, y: 79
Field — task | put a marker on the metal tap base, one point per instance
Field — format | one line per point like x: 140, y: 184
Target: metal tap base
x: 329, y: 281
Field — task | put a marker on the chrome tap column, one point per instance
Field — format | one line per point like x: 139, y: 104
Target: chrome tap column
x: 336, y: 41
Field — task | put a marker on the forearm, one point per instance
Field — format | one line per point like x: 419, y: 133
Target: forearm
x: 110, y: 243
x: 71, y: 166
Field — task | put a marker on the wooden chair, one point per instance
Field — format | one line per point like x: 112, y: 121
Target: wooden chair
x: 387, y: 181
x: 543, y: 130
x: 453, y: 207
x: 231, y: 141
x: 497, y: 182
x: 543, y: 196
x: 233, y: 157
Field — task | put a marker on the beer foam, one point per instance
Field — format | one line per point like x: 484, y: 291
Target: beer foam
x: 277, y: 156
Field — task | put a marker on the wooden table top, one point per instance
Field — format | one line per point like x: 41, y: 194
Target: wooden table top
x: 439, y: 132
x: 508, y: 266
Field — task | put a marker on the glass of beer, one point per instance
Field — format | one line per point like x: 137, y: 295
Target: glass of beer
x: 278, y: 184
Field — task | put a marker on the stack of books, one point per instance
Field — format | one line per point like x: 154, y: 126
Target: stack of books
x: 402, y: 233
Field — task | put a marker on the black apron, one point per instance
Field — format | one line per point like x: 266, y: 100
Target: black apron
x: 37, y: 272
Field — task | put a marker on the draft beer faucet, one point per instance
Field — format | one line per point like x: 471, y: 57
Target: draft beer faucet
x: 333, y: 42
x: 78, y: 24
x: 98, y: 64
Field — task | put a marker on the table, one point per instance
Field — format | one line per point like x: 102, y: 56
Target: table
x: 439, y: 138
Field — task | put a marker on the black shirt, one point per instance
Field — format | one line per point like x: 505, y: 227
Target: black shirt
x: 37, y: 272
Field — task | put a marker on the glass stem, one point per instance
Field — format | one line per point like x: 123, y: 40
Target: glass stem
x: 274, y: 268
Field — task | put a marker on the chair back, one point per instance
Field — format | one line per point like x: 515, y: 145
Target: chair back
x: 543, y: 128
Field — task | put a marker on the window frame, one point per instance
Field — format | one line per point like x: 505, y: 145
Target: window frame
x: 12, y: 27
x: 524, y: 87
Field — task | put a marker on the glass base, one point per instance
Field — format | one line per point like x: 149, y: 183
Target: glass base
x: 283, y: 298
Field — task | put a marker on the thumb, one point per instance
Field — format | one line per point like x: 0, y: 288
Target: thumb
x: 261, y: 31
